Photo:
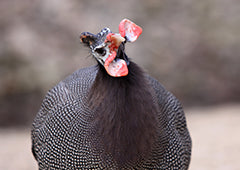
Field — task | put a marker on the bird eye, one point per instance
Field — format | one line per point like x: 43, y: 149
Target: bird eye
x: 101, y: 51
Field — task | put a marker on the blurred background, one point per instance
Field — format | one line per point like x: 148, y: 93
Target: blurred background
x: 190, y: 46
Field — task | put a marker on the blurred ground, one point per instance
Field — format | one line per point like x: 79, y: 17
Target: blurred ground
x: 214, y: 131
x: 216, y: 138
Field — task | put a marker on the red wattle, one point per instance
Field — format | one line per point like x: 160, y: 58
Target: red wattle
x: 129, y: 30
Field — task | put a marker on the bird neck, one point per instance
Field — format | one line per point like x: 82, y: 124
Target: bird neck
x: 124, y: 114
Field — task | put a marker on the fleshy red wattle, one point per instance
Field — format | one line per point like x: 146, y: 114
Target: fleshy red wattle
x: 116, y: 68
x: 129, y: 30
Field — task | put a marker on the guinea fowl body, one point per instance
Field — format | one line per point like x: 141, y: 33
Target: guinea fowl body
x: 71, y: 129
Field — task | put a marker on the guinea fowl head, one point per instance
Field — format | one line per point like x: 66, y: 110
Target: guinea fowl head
x: 108, y: 48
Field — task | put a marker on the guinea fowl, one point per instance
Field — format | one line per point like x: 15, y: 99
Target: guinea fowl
x: 111, y: 116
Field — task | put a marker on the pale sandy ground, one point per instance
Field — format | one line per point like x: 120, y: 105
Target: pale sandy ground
x: 215, y: 133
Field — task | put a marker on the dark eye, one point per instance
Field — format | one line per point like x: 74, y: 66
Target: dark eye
x: 101, y: 51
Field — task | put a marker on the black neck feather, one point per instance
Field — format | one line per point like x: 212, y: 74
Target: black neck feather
x: 125, y: 114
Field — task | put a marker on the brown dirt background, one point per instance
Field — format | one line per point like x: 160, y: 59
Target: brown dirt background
x: 214, y: 131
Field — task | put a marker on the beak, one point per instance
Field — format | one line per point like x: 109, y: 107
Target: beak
x: 88, y: 38
x: 94, y: 40
x: 108, y: 48
x: 115, y: 64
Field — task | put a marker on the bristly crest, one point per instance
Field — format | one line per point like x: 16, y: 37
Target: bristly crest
x: 125, y: 115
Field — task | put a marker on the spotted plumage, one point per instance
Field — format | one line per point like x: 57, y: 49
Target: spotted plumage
x: 92, y: 120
